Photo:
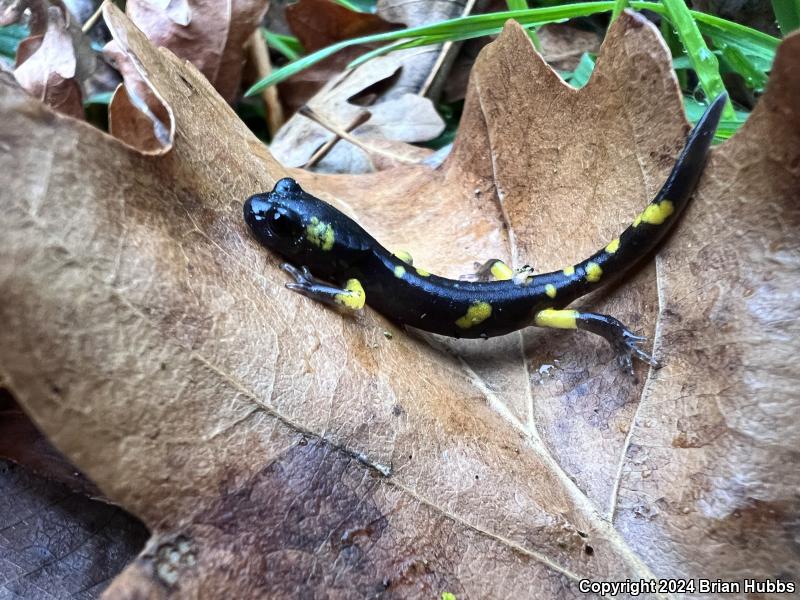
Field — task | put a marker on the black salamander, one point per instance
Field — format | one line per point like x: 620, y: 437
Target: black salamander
x: 318, y: 239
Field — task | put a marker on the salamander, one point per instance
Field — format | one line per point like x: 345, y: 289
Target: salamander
x: 334, y: 260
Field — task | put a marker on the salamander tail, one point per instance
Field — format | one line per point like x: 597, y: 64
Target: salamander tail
x: 653, y: 223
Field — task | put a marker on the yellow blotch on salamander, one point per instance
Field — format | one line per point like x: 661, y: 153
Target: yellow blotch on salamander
x: 501, y: 271
x: 405, y: 256
x: 477, y: 313
x: 423, y: 273
x: 613, y: 246
x: 593, y: 272
x: 399, y: 271
x: 353, y: 297
x: 655, y: 213
x: 320, y: 234
x: 569, y: 271
x: 556, y: 319
x: 550, y: 290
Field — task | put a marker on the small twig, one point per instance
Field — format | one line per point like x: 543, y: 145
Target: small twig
x: 446, y: 53
x: 93, y: 19
x: 272, y: 103
x: 360, y: 119
x: 310, y: 113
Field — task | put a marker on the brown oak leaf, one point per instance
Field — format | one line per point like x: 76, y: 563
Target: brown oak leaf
x: 274, y: 447
x: 195, y: 30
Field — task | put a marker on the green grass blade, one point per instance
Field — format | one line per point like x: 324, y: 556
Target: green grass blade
x: 735, y: 59
x: 10, y: 37
x: 523, y: 5
x: 727, y: 126
x: 757, y: 46
x: 364, y: 6
x: 703, y: 60
x: 619, y: 6
x: 752, y: 43
x: 582, y: 73
x: 454, y: 29
x: 682, y: 62
x: 296, y: 66
x: 287, y: 45
x: 787, y: 13
x: 761, y: 58
x: 99, y: 98
x: 400, y: 45
x: 678, y: 53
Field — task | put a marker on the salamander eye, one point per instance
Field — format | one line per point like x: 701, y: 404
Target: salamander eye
x: 282, y: 225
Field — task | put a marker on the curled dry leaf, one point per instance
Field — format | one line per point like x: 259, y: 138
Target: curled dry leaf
x: 40, y: 20
x: 208, y: 34
x: 200, y: 31
x: 136, y: 115
x: 13, y: 11
x: 53, y: 61
x: 272, y: 445
x: 192, y: 29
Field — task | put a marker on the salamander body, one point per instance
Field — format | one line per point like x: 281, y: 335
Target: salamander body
x: 334, y: 260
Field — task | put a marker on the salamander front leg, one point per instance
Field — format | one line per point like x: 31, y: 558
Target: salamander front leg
x: 624, y: 341
x: 351, y: 297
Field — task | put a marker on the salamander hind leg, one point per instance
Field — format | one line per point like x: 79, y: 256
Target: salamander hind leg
x: 351, y: 297
x: 495, y: 269
x: 622, y: 339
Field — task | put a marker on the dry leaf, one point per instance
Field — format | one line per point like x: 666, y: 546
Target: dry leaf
x: 47, y: 63
x: 13, y: 11
x: 59, y: 544
x: 301, y: 137
x: 210, y: 34
x: 416, y: 14
x: 39, y: 21
x: 320, y: 23
x: 562, y: 46
x: 211, y: 38
x: 136, y: 115
x: 22, y: 443
x: 274, y: 446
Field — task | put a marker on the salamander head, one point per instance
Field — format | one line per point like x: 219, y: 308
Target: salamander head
x: 302, y: 228
x: 275, y: 221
